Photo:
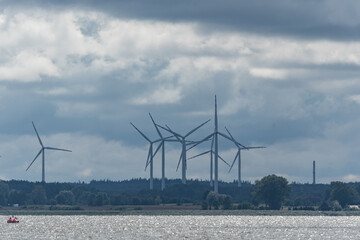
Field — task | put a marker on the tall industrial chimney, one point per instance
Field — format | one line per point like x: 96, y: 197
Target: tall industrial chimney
x: 313, y: 172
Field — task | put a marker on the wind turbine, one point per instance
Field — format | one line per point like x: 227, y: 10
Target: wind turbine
x: 182, y: 140
x: 42, y: 151
x: 215, y: 135
x: 149, y: 160
x: 238, y: 156
x: 162, y: 145
x: 211, y: 160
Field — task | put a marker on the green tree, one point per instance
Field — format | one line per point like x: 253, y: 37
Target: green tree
x: 91, y: 199
x: 216, y: 204
x: 17, y: 197
x: 204, y: 205
x: 227, y: 203
x: 83, y: 198
x: 341, y: 192
x: 65, y: 197
x: 101, y: 199
x: 116, y: 199
x: 272, y: 190
x: 38, y: 195
x: 324, y: 207
x: 78, y: 192
x: 157, y: 200
x: 4, y: 193
x: 211, y: 198
x: 135, y: 201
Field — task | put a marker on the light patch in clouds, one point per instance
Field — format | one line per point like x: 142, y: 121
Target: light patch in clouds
x: 336, y: 86
x: 284, y: 51
x: 160, y: 96
x: 67, y: 109
x: 268, y: 73
x: 355, y: 98
x: 85, y: 173
x: 55, y: 92
x: 28, y: 66
x: 351, y: 178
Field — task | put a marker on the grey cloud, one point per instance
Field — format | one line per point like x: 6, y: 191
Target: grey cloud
x: 309, y: 19
x: 300, y: 95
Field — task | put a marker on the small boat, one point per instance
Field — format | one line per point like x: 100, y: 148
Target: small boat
x: 12, y: 220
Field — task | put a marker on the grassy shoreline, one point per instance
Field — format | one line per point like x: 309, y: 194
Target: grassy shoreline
x: 139, y: 211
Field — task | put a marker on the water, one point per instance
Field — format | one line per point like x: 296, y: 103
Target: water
x: 181, y: 227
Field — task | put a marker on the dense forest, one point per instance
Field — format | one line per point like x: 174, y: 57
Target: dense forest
x: 136, y: 192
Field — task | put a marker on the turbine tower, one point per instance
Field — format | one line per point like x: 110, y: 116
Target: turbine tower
x: 42, y: 151
x: 238, y: 156
x: 182, y: 140
x: 149, y: 160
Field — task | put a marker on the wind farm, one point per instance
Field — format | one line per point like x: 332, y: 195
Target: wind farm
x: 183, y: 139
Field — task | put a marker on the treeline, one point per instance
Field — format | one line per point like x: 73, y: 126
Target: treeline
x: 336, y: 195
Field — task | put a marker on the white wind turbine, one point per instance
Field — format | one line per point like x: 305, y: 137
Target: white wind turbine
x: 184, y: 143
x: 42, y: 151
x: 212, y: 153
x: 149, y: 160
x: 215, y: 136
x: 162, y: 145
x: 238, y: 156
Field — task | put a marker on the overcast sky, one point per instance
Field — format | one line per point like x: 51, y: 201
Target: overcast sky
x: 286, y: 75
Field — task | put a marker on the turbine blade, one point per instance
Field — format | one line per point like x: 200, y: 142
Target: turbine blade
x: 188, y: 143
x: 197, y: 128
x: 156, y: 127
x: 176, y: 135
x: 237, y: 154
x: 199, y: 155
x: 42, y: 149
x: 201, y: 141
x: 236, y: 143
x: 179, y: 163
x: 148, y: 158
x: 223, y: 160
x: 158, y: 148
x: 248, y: 148
x: 59, y: 149
x: 37, y: 134
x: 141, y: 133
x: 229, y: 133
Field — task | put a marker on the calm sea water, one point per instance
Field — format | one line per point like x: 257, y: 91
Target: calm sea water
x: 181, y: 227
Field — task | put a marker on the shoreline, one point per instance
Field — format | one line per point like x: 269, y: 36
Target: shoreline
x: 165, y: 210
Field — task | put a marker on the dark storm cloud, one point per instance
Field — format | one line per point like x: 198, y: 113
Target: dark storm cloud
x: 310, y: 19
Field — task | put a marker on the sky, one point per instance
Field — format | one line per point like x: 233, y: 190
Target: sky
x: 285, y: 73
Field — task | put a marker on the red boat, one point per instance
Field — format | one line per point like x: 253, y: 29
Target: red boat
x: 12, y: 220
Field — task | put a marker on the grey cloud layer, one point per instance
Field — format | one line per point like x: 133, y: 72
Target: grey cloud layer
x: 286, y: 76
x: 301, y: 19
